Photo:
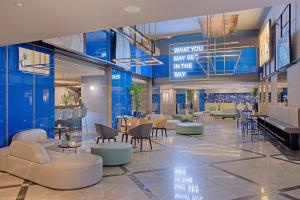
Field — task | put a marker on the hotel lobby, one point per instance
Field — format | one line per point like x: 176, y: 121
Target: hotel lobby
x: 150, y: 100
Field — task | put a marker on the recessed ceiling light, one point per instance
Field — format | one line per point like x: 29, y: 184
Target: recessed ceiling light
x: 18, y: 4
x: 132, y: 9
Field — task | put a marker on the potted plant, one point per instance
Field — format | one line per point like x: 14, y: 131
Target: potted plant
x: 136, y: 92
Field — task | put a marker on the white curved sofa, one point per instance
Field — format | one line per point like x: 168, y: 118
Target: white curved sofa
x: 31, y: 161
x: 35, y: 135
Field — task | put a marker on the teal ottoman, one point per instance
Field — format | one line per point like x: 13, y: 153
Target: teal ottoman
x: 113, y: 153
x: 189, y: 129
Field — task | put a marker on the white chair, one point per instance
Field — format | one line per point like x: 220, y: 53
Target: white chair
x: 83, y: 114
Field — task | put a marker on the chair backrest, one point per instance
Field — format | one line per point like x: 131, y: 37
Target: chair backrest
x: 76, y: 113
x: 83, y: 112
x: 58, y: 114
x: 160, y: 122
x: 133, y: 122
x: 141, y: 131
x: 33, y: 135
x: 30, y: 151
x: 143, y: 121
x: 105, y: 131
x: 66, y: 114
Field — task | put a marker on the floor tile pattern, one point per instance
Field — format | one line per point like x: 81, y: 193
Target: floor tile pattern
x: 219, y: 165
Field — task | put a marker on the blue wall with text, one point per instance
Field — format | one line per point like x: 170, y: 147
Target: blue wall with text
x: 121, y: 98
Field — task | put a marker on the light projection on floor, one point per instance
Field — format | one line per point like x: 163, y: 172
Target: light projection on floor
x: 185, y: 188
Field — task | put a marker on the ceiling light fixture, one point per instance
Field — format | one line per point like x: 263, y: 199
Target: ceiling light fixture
x: 18, y: 4
x: 132, y: 9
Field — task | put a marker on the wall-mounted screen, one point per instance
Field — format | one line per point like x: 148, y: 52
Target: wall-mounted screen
x: 283, y: 38
x: 34, y: 61
x: 264, y: 44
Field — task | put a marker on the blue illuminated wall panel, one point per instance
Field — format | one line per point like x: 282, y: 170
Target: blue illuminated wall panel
x: 98, y: 44
x: 30, y: 95
x: 20, y: 93
x: 156, y: 103
x: 2, y: 97
x: 180, y: 100
x: 142, y: 70
x: 202, y: 100
x: 121, y: 98
x: 247, y: 62
x: 44, y: 97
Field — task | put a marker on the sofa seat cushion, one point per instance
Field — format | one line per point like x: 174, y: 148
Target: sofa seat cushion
x: 30, y: 151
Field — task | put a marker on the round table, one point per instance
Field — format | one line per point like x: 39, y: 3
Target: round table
x: 189, y: 128
x: 74, y: 146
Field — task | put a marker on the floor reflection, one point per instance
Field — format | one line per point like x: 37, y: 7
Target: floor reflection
x: 185, y: 188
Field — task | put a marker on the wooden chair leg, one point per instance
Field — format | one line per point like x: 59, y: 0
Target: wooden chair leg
x: 152, y: 132
x: 122, y: 137
x: 141, y: 149
x: 131, y: 140
x: 166, y: 132
x: 156, y: 132
x: 115, y: 139
x: 98, y: 140
x: 103, y: 140
x: 162, y: 132
x: 150, y: 143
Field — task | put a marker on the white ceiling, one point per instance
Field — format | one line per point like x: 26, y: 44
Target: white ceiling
x: 247, y: 20
x: 45, y: 19
x: 72, y: 71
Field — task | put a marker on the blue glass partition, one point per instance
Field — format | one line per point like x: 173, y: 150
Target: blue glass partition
x: 98, y: 44
x: 44, y: 97
x: 156, y: 103
x: 2, y: 97
x: 201, y: 100
x: 20, y: 93
x: 30, y: 89
x: 180, y: 100
x: 121, y: 98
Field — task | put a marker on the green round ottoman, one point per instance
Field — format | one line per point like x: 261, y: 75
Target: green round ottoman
x: 189, y: 129
x: 113, y: 153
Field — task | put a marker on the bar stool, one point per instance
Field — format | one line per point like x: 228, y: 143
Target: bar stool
x: 83, y: 114
x: 76, y: 118
x: 66, y: 116
x: 58, y: 115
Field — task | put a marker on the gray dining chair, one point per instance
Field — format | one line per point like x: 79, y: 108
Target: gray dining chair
x: 105, y: 132
x: 141, y: 132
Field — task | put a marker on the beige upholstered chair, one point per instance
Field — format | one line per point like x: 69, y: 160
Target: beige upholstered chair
x: 160, y: 124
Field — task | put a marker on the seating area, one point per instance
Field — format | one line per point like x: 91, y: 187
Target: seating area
x: 150, y: 100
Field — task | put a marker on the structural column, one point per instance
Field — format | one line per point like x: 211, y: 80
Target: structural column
x: 109, y: 96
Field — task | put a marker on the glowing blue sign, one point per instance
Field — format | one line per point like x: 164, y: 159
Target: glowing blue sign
x: 183, y: 60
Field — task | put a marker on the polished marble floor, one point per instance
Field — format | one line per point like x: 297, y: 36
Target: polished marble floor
x: 219, y: 165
